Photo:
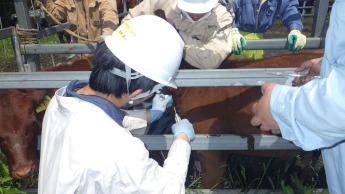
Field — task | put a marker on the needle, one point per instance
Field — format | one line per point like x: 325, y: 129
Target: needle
x: 177, y: 118
x: 292, y: 74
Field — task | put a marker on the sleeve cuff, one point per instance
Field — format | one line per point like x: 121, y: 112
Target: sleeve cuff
x: 295, y: 27
x: 279, y: 106
x: 135, y: 121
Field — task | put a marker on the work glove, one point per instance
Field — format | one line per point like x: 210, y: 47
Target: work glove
x: 100, y: 38
x: 296, y: 40
x: 159, y: 104
x: 238, y: 41
x: 184, y: 126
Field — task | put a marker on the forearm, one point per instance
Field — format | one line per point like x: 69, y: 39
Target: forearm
x: 109, y: 15
x: 143, y: 8
x: 206, y: 56
x: 290, y: 16
x: 57, y: 9
x: 176, y: 165
x: 311, y: 116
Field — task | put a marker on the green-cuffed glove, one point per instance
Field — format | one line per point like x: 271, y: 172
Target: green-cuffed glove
x: 296, y: 40
x: 238, y: 41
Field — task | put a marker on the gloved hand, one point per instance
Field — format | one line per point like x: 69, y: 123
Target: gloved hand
x: 159, y: 105
x: 184, y: 126
x: 100, y: 38
x: 296, y: 40
x: 238, y: 41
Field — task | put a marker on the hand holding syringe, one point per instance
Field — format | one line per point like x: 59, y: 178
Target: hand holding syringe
x: 177, y: 117
x: 293, y: 74
x: 295, y: 78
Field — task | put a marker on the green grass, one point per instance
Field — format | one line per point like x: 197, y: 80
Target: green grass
x: 6, y: 48
x: 256, y: 173
x: 7, y: 184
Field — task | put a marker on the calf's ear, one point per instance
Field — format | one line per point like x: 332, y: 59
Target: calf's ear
x: 37, y: 96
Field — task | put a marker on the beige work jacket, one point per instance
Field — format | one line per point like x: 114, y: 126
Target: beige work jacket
x: 88, y: 18
x: 207, y: 42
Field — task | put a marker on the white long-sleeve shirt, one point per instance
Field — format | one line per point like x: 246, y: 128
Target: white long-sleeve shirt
x: 86, y: 150
x: 313, y: 116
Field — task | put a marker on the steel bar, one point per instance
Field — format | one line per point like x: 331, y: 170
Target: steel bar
x: 52, y: 30
x: 24, y: 22
x: 10, y: 32
x: 281, y: 43
x: 218, y: 142
x: 184, y: 78
x: 5, y: 33
x: 320, y: 14
x: 217, y: 191
x: 16, y: 48
x: 71, y: 48
x: 267, y: 44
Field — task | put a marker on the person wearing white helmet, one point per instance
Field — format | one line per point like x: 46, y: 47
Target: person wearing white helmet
x: 84, y: 146
x: 204, y: 26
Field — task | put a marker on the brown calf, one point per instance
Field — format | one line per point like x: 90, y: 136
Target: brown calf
x: 21, y: 121
x: 227, y: 110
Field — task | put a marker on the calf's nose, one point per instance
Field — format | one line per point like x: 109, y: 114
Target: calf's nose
x: 23, y: 171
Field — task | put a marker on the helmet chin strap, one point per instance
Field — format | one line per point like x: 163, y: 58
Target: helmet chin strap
x: 128, y: 75
x: 191, y: 20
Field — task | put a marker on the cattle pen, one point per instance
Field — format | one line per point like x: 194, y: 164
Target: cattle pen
x: 27, y: 62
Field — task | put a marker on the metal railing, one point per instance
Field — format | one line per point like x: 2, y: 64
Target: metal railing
x: 184, y: 78
x: 29, y: 53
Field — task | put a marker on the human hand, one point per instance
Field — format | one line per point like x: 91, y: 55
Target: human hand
x: 312, y: 66
x: 262, y: 112
x: 296, y: 40
x: 100, y: 38
x: 159, y: 105
x: 161, y: 101
x: 238, y: 41
x: 184, y: 126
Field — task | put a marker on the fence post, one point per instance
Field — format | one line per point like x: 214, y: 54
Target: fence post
x: 320, y: 15
x: 16, y: 49
x: 32, y: 62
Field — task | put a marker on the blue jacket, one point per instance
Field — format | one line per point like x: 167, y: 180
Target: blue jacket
x: 250, y: 17
x: 313, y: 116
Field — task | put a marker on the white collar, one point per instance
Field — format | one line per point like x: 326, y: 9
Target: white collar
x: 191, y: 20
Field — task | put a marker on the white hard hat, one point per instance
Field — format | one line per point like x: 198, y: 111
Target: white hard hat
x: 196, y: 6
x: 149, y: 45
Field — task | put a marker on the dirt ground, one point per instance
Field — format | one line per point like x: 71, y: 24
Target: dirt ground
x: 47, y: 60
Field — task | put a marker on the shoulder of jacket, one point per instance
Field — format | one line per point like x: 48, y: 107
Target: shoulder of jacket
x: 222, y: 14
x: 165, y: 3
x: 67, y: 2
x: 221, y: 10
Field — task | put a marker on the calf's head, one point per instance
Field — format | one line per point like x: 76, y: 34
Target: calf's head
x: 19, y: 126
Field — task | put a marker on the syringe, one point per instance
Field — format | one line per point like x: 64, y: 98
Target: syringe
x: 177, y: 118
x: 292, y: 74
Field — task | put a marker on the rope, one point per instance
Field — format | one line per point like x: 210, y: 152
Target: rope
x: 39, y: 4
x: 27, y: 36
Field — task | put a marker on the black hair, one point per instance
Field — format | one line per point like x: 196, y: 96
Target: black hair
x: 102, y: 80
